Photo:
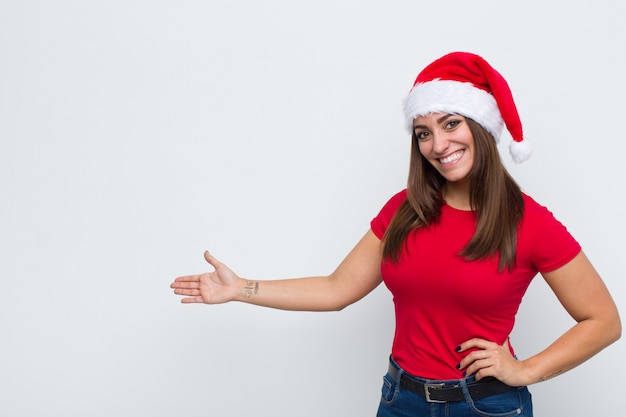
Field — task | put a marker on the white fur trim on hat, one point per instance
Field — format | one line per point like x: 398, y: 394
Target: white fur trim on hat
x: 443, y: 96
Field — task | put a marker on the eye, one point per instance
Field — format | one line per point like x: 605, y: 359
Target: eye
x: 451, y: 124
x: 421, y: 135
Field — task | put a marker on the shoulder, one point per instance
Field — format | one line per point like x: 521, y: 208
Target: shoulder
x: 530, y: 203
x: 381, y: 221
x: 535, y: 212
x: 397, y: 199
x: 544, y: 239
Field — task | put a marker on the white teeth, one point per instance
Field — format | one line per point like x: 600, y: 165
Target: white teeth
x: 451, y: 158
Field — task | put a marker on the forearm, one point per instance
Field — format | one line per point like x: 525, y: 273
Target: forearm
x: 577, y: 345
x: 303, y: 294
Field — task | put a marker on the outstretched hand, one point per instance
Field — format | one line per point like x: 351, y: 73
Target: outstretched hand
x: 214, y: 287
x: 492, y: 359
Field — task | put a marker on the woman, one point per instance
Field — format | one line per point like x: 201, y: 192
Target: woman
x: 458, y: 249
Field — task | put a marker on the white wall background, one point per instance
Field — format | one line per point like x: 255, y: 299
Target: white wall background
x: 136, y: 134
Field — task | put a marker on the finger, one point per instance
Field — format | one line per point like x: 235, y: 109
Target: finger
x: 477, y: 359
x: 185, y: 284
x: 467, y: 361
x: 188, y: 278
x: 183, y: 291
x: 483, y: 372
x: 480, y: 368
x: 476, y: 343
x: 211, y: 259
x: 475, y: 364
x: 191, y: 300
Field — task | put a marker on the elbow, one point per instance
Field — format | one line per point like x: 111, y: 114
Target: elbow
x: 613, y: 329
x: 341, y: 302
x: 339, y: 306
x: 340, y: 296
x: 616, y: 329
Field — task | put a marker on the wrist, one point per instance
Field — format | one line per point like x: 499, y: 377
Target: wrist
x: 246, y: 289
x: 532, y: 375
x: 528, y: 377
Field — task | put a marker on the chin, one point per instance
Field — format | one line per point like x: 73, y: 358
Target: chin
x: 455, y: 178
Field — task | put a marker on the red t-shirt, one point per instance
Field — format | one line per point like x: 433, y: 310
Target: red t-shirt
x: 442, y: 300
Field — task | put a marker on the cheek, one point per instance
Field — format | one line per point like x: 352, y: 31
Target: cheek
x: 423, y: 148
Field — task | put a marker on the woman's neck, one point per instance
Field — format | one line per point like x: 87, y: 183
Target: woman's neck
x: 457, y: 195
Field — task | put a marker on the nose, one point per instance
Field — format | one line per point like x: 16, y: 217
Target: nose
x: 440, y: 143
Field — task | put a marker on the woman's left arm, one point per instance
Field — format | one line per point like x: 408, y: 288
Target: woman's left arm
x: 581, y: 291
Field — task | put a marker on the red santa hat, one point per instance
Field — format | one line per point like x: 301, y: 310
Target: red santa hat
x: 464, y: 83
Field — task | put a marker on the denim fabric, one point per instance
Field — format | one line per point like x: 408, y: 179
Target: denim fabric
x: 399, y: 402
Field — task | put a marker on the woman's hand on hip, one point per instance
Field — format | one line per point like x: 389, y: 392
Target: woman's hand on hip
x: 491, y: 359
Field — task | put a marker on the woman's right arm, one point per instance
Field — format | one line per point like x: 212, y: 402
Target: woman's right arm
x: 355, y: 277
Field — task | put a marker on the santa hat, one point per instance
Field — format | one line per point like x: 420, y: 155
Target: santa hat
x: 465, y: 84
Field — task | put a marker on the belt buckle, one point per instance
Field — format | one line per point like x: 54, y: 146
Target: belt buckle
x: 427, y: 392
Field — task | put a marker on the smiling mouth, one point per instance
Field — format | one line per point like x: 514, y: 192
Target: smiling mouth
x: 452, y: 157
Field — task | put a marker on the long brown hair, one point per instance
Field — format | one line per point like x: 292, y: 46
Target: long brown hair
x: 494, y: 195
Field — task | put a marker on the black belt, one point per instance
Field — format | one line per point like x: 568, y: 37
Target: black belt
x: 440, y: 393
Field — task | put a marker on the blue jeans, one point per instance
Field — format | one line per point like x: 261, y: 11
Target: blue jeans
x: 399, y: 402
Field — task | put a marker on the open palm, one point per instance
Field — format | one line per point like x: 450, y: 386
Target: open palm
x: 214, y: 287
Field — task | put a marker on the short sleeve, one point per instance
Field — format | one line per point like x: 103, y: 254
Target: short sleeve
x: 546, y: 241
x: 380, y: 223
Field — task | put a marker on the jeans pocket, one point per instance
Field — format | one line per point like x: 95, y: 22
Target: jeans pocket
x: 514, y: 402
x: 388, y: 392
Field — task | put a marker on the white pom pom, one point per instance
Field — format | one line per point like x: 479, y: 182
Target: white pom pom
x: 520, y: 151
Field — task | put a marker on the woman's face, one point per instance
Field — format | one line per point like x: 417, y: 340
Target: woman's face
x: 446, y: 141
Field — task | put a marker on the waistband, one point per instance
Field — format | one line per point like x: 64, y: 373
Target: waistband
x: 443, y: 392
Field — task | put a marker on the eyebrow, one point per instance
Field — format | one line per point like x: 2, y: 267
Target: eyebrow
x: 439, y: 121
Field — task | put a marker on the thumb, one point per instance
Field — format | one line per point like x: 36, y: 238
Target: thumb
x: 211, y: 259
